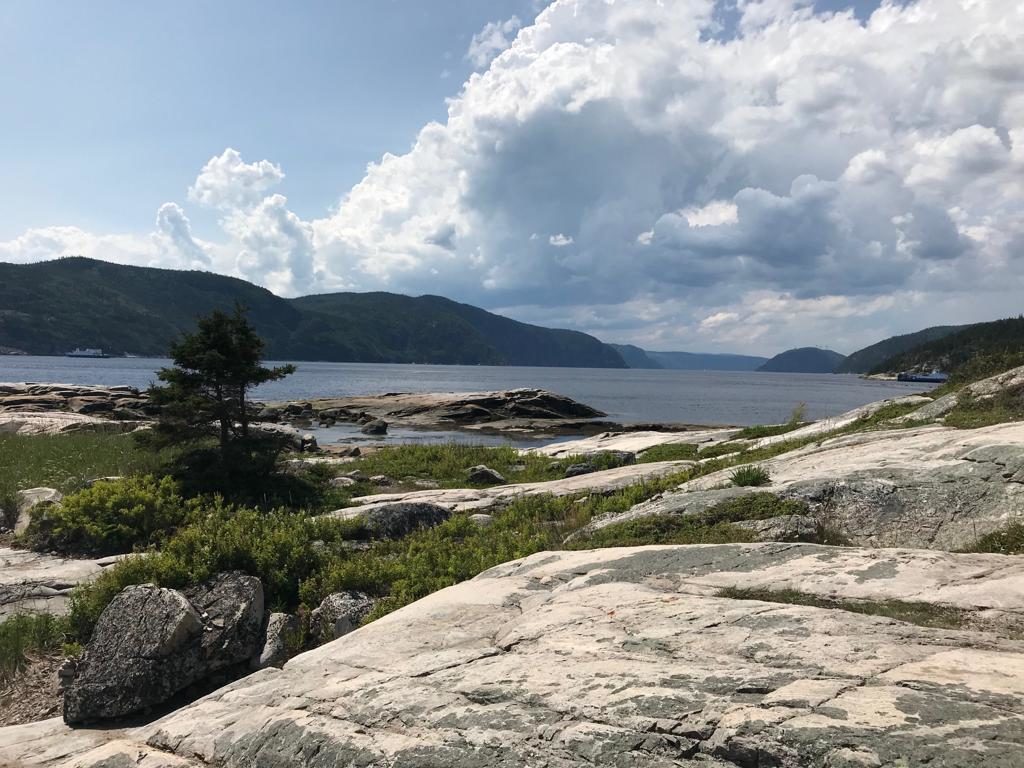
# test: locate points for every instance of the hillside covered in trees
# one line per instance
(52, 307)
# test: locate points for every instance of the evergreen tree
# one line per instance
(203, 407)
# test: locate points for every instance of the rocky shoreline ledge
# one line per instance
(54, 408)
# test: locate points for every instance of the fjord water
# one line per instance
(626, 395)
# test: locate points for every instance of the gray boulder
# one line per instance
(281, 633)
(375, 427)
(339, 614)
(151, 643)
(30, 499)
(342, 482)
(575, 470)
(482, 520)
(483, 474)
(393, 521)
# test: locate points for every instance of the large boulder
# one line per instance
(30, 500)
(393, 521)
(151, 643)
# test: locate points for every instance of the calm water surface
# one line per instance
(626, 395)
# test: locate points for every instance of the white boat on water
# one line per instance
(87, 352)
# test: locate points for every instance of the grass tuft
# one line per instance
(23, 634)
(750, 476)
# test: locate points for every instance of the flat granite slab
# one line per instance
(31, 582)
(625, 657)
(480, 499)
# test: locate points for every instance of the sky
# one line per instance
(734, 175)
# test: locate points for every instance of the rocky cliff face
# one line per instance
(631, 657)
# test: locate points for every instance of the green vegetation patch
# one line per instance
(669, 452)
(25, 634)
(111, 517)
(66, 462)
(716, 525)
(1006, 541)
(919, 613)
(972, 412)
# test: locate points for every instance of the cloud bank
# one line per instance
(637, 170)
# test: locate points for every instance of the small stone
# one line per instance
(339, 614)
(341, 482)
(482, 520)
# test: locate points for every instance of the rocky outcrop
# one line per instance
(125, 403)
(516, 410)
(633, 442)
(493, 497)
(628, 657)
(31, 582)
(930, 486)
(151, 643)
(58, 423)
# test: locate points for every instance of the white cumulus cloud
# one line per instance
(798, 177)
(494, 38)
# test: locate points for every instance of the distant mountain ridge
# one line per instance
(51, 307)
(804, 360)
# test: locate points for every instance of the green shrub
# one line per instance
(111, 517)
(669, 452)
(715, 525)
(26, 633)
(1006, 541)
(281, 548)
(715, 450)
(750, 475)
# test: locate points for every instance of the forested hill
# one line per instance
(804, 360)
(986, 347)
(52, 307)
(867, 359)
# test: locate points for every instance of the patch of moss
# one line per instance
(919, 613)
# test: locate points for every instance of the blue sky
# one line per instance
(113, 106)
(732, 175)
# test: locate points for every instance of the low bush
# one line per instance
(1006, 541)
(111, 517)
(281, 548)
(972, 412)
(715, 525)
(750, 476)
(24, 634)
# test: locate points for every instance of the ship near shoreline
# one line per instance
(87, 352)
